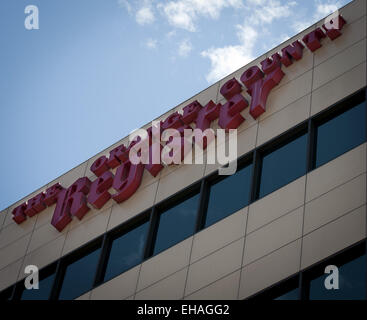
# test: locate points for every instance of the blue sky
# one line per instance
(97, 69)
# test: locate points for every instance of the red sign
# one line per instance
(74, 200)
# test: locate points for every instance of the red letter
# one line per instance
(100, 166)
(230, 88)
(191, 111)
(269, 65)
(35, 205)
(117, 155)
(18, 213)
(99, 194)
(312, 40)
(71, 202)
(230, 114)
(51, 194)
(294, 51)
(174, 121)
(127, 180)
(207, 115)
(334, 26)
(154, 168)
(260, 88)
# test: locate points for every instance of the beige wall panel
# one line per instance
(339, 64)
(45, 255)
(13, 231)
(286, 94)
(14, 251)
(284, 119)
(276, 204)
(45, 235)
(273, 236)
(223, 289)
(9, 274)
(334, 236)
(335, 203)
(165, 264)
(351, 34)
(214, 266)
(87, 231)
(294, 71)
(336, 172)
(179, 179)
(141, 200)
(219, 235)
(339, 88)
(170, 288)
(270, 269)
(2, 218)
(354, 10)
(118, 288)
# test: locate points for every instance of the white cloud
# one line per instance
(322, 9)
(230, 58)
(171, 34)
(185, 48)
(126, 4)
(145, 15)
(264, 12)
(184, 13)
(151, 43)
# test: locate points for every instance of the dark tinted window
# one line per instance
(43, 292)
(126, 251)
(341, 134)
(352, 282)
(176, 223)
(228, 195)
(283, 165)
(79, 276)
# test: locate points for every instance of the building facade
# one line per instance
(296, 204)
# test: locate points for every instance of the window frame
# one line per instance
(65, 261)
(214, 178)
(329, 114)
(167, 204)
(272, 146)
(114, 234)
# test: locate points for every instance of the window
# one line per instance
(228, 195)
(79, 273)
(283, 165)
(46, 281)
(177, 222)
(126, 250)
(352, 278)
(340, 134)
